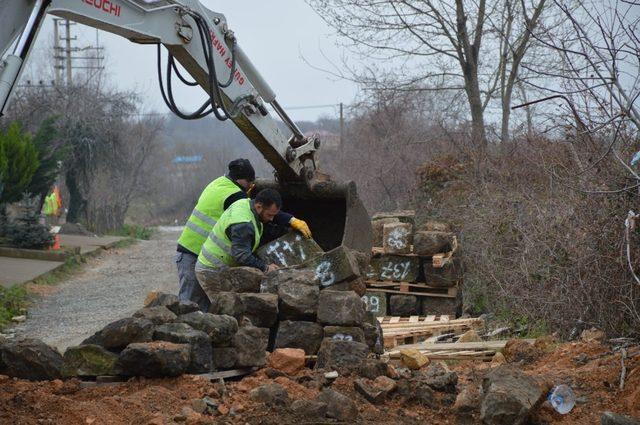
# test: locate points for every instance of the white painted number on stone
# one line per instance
(279, 250)
(342, 337)
(397, 238)
(324, 274)
(395, 271)
(372, 303)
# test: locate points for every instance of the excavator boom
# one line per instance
(201, 41)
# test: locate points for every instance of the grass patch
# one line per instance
(135, 231)
(12, 301)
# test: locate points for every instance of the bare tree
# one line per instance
(474, 46)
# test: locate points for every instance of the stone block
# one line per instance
(344, 333)
(298, 334)
(224, 358)
(260, 309)
(342, 356)
(341, 308)
(440, 306)
(356, 285)
(155, 298)
(158, 315)
(228, 303)
(309, 409)
(403, 305)
(429, 243)
(88, 360)
(273, 280)
(297, 301)
(30, 359)
(339, 406)
(289, 250)
(250, 344)
(375, 302)
(394, 268)
(446, 277)
(377, 226)
(397, 238)
(220, 328)
(119, 334)
(270, 394)
(199, 343)
(335, 266)
(232, 279)
(154, 359)
(373, 336)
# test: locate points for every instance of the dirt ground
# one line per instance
(109, 287)
(143, 401)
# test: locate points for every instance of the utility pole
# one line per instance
(63, 56)
(341, 123)
(68, 52)
(57, 67)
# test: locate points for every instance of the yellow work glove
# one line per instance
(301, 227)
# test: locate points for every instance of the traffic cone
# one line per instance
(56, 242)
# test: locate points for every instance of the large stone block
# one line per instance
(446, 276)
(335, 266)
(170, 301)
(340, 308)
(289, 250)
(199, 343)
(273, 280)
(377, 226)
(219, 327)
(224, 358)
(119, 334)
(297, 302)
(228, 303)
(154, 359)
(232, 279)
(30, 359)
(374, 337)
(344, 333)
(250, 344)
(260, 309)
(394, 268)
(440, 306)
(431, 242)
(342, 356)
(297, 334)
(403, 305)
(88, 360)
(158, 315)
(356, 285)
(339, 406)
(397, 238)
(509, 396)
(375, 302)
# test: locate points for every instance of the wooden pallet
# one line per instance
(417, 289)
(440, 260)
(414, 337)
(399, 331)
(483, 351)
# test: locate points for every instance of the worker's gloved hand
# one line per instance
(301, 227)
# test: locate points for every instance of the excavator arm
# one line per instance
(200, 40)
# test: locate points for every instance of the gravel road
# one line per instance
(109, 287)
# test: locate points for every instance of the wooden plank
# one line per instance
(431, 318)
(385, 284)
(497, 345)
(417, 294)
(225, 374)
(413, 319)
(444, 318)
(394, 320)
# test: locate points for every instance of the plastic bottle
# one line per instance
(562, 399)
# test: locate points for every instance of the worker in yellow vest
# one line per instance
(218, 196)
(235, 237)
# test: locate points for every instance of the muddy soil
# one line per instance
(109, 287)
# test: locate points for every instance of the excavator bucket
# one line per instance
(333, 211)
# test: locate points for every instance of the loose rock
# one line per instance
(158, 315)
(88, 360)
(309, 409)
(517, 350)
(343, 356)
(154, 359)
(372, 368)
(510, 396)
(261, 309)
(592, 335)
(413, 358)
(271, 395)
(30, 359)
(439, 378)
(298, 334)
(339, 406)
(610, 418)
(155, 299)
(340, 308)
(469, 336)
(297, 302)
(119, 334)
(251, 343)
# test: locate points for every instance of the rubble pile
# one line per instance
(414, 269)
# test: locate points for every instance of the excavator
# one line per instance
(202, 42)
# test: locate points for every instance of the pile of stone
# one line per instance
(414, 269)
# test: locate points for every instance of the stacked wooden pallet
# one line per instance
(399, 331)
(479, 351)
(412, 271)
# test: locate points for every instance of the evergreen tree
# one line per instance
(27, 232)
(21, 157)
(50, 154)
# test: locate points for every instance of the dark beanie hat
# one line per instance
(241, 169)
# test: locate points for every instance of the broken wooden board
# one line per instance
(226, 374)
(419, 290)
(440, 260)
(452, 350)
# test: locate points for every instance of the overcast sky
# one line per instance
(275, 34)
